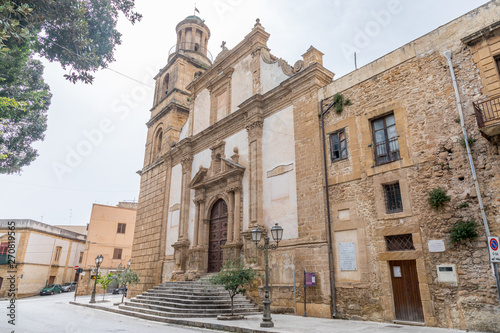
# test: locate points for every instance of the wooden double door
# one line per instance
(405, 290)
(217, 235)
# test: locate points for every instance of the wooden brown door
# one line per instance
(51, 279)
(217, 235)
(405, 290)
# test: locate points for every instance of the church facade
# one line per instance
(236, 142)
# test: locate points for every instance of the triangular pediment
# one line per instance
(198, 179)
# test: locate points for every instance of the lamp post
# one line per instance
(277, 234)
(98, 261)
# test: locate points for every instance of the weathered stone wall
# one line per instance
(420, 93)
(147, 252)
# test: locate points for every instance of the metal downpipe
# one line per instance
(329, 222)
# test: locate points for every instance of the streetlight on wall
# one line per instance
(98, 262)
(277, 234)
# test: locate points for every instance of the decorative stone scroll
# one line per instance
(283, 64)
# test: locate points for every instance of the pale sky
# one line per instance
(96, 133)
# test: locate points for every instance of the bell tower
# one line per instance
(187, 59)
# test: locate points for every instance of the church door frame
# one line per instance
(217, 236)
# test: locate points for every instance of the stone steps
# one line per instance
(186, 303)
(187, 299)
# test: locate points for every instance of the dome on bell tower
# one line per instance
(192, 39)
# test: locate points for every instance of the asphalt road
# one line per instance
(54, 314)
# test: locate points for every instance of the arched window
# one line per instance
(165, 83)
(157, 142)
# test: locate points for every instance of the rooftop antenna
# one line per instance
(355, 64)
(70, 214)
(41, 217)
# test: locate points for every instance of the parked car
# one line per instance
(120, 290)
(68, 286)
(51, 289)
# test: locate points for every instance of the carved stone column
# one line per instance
(237, 215)
(185, 194)
(255, 161)
(182, 245)
(196, 222)
(230, 217)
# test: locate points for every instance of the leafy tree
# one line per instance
(79, 34)
(24, 101)
(235, 278)
(104, 282)
(125, 278)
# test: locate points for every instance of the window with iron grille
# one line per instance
(399, 243)
(392, 198)
(121, 228)
(385, 140)
(117, 253)
(338, 145)
(81, 258)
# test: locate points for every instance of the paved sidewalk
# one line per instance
(282, 323)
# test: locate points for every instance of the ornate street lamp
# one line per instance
(277, 234)
(98, 262)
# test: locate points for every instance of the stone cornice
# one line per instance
(174, 58)
(476, 36)
(169, 93)
(165, 110)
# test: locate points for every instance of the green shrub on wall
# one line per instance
(463, 230)
(438, 197)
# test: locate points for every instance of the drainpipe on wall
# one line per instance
(447, 55)
(329, 222)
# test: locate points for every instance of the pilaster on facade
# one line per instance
(254, 130)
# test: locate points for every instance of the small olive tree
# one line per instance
(126, 277)
(104, 282)
(235, 278)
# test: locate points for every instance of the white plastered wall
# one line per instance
(271, 75)
(41, 250)
(173, 215)
(240, 141)
(201, 113)
(280, 191)
(241, 82)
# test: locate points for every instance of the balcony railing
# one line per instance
(387, 151)
(487, 111)
(192, 47)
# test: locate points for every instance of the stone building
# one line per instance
(110, 234)
(400, 139)
(43, 254)
(236, 142)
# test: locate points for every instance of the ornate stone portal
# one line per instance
(222, 180)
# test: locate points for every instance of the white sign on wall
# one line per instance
(436, 245)
(347, 256)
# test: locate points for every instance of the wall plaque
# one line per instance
(347, 256)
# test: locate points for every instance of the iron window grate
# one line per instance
(399, 242)
(392, 197)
